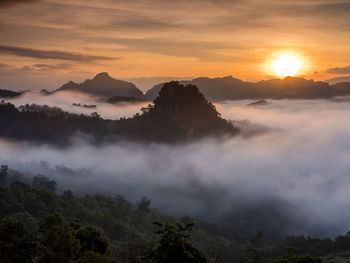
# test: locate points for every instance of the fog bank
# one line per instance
(301, 164)
(65, 100)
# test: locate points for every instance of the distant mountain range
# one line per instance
(338, 80)
(229, 88)
(180, 113)
(214, 89)
(105, 86)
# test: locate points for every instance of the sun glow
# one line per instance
(286, 65)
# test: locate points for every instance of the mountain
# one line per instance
(180, 113)
(258, 103)
(214, 89)
(342, 88)
(229, 88)
(292, 88)
(337, 80)
(105, 86)
(9, 94)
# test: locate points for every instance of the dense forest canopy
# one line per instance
(9, 94)
(39, 225)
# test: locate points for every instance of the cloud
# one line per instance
(48, 67)
(7, 3)
(339, 70)
(5, 67)
(302, 163)
(50, 54)
(39, 76)
(65, 99)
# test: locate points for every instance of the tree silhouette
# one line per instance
(293, 256)
(174, 246)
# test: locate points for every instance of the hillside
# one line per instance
(9, 94)
(105, 86)
(229, 88)
(179, 113)
(38, 223)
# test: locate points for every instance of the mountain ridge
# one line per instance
(103, 85)
(229, 88)
(179, 114)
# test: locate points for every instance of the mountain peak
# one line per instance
(181, 112)
(102, 76)
(105, 86)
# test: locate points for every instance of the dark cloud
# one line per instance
(205, 51)
(50, 54)
(5, 66)
(7, 3)
(339, 70)
(43, 67)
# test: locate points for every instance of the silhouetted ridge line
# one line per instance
(9, 94)
(229, 88)
(105, 86)
(180, 113)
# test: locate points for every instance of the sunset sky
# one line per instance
(46, 43)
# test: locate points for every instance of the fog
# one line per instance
(299, 163)
(65, 100)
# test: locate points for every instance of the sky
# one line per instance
(45, 43)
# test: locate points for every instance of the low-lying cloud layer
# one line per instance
(66, 99)
(302, 164)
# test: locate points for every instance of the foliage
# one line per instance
(173, 245)
(9, 94)
(17, 244)
(293, 257)
(178, 114)
(40, 224)
(143, 205)
(44, 183)
(3, 173)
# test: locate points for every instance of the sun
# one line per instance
(286, 65)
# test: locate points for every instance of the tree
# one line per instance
(17, 244)
(293, 256)
(59, 240)
(44, 183)
(3, 173)
(253, 254)
(92, 257)
(173, 246)
(143, 205)
(93, 239)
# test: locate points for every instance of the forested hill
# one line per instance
(8, 94)
(179, 113)
(39, 225)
